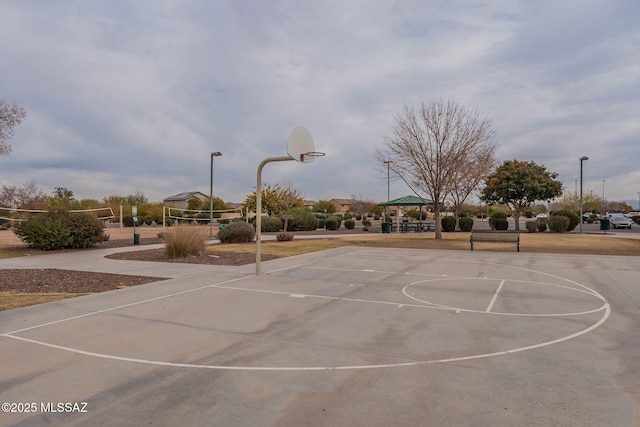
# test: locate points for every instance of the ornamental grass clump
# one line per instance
(183, 241)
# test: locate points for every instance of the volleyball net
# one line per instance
(19, 215)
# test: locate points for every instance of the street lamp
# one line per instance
(582, 159)
(603, 203)
(214, 154)
(387, 162)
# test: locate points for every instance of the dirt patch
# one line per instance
(51, 280)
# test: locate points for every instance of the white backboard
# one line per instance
(300, 143)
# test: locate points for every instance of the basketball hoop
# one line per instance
(310, 156)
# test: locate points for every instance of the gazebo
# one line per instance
(407, 201)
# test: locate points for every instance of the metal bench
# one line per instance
(495, 237)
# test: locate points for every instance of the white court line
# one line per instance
(106, 310)
(318, 368)
(495, 297)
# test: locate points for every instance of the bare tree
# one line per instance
(23, 196)
(430, 146)
(479, 164)
(11, 116)
(361, 206)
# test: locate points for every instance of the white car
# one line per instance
(632, 214)
(619, 221)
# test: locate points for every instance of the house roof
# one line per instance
(342, 201)
(184, 196)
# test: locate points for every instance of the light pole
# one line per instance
(582, 159)
(603, 203)
(387, 162)
(214, 154)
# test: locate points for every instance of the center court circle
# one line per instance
(510, 297)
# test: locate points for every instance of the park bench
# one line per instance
(495, 237)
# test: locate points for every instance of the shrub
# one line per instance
(284, 236)
(542, 225)
(528, 213)
(127, 221)
(348, 216)
(349, 224)
(448, 223)
(301, 220)
(358, 217)
(531, 226)
(332, 223)
(270, 224)
(574, 218)
(320, 223)
(558, 223)
(366, 224)
(501, 224)
(496, 216)
(61, 230)
(183, 241)
(465, 223)
(237, 232)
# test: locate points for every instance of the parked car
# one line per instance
(619, 221)
(632, 214)
(542, 216)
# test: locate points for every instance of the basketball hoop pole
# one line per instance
(259, 204)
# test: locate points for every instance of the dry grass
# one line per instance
(183, 241)
(9, 300)
(529, 243)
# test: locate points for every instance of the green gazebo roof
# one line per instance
(408, 201)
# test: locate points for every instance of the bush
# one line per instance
(358, 217)
(448, 223)
(558, 223)
(366, 224)
(465, 223)
(497, 216)
(320, 223)
(237, 232)
(348, 216)
(183, 241)
(332, 223)
(127, 221)
(501, 224)
(531, 226)
(270, 224)
(61, 230)
(349, 224)
(542, 225)
(301, 220)
(284, 236)
(574, 218)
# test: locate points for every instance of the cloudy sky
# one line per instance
(126, 95)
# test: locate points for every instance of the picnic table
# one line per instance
(418, 226)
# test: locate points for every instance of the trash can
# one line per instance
(605, 224)
(136, 238)
(386, 227)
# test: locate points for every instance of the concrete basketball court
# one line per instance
(345, 337)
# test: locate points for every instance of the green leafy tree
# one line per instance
(276, 199)
(325, 206)
(517, 185)
(63, 199)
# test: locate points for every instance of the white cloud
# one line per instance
(135, 95)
